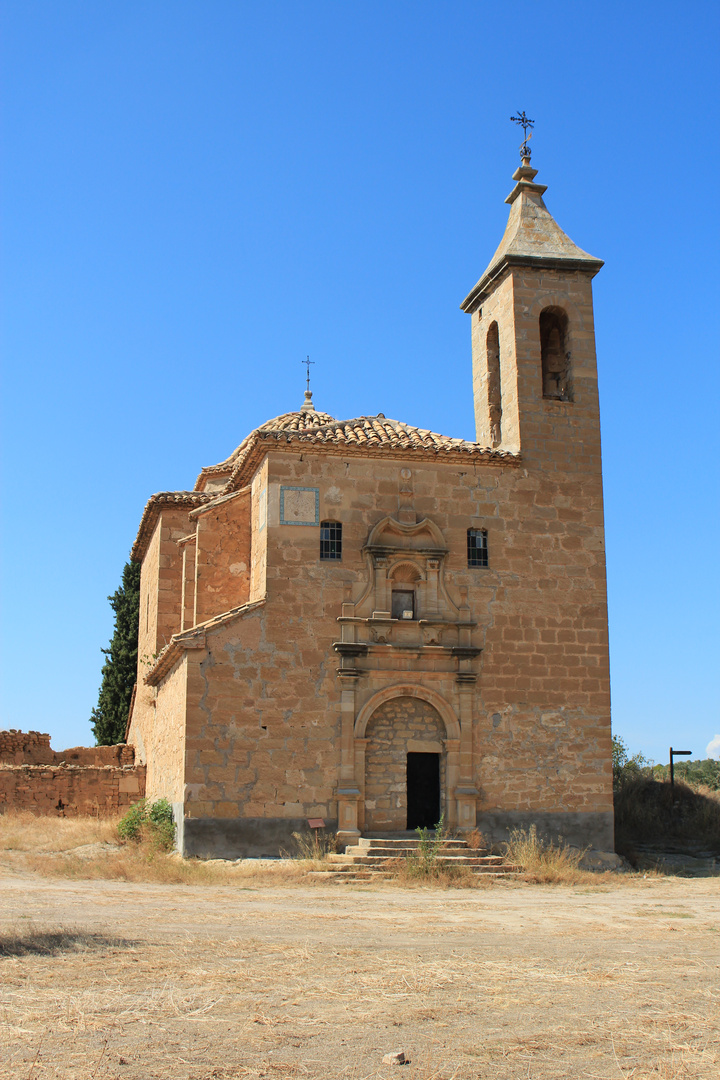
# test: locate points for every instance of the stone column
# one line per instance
(466, 793)
(360, 747)
(431, 595)
(348, 791)
(452, 776)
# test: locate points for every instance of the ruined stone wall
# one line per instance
(33, 748)
(25, 747)
(67, 783)
(399, 726)
(70, 790)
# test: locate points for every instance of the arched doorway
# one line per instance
(405, 765)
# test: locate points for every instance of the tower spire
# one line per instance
(532, 236)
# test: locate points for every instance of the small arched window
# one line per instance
(331, 540)
(556, 373)
(493, 385)
(477, 547)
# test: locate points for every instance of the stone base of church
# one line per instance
(584, 830)
(238, 838)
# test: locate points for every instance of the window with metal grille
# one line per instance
(477, 549)
(330, 540)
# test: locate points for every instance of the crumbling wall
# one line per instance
(66, 783)
(33, 748)
(71, 790)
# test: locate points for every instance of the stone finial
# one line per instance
(307, 405)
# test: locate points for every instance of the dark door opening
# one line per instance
(423, 790)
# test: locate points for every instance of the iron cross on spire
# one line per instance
(307, 361)
(524, 123)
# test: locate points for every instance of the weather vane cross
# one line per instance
(524, 123)
(307, 361)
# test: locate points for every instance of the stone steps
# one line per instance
(379, 856)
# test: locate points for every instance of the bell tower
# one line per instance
(533, 338)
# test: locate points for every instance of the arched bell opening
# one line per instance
(555, 354)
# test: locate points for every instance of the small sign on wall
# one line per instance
(299, 506)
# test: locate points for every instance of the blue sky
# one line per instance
(198, 194)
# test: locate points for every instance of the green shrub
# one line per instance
(626, 767)
(131, 824)
(149, 822)
(425, 863)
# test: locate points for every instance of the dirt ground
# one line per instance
(511, 982)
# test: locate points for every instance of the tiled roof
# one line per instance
(293, 421)
(368, 435)
(152, 510)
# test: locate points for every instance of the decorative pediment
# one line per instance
(390, 535)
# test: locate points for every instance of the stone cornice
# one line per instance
(194, 638)
(153, 509)
(493, 276)
(262, 444)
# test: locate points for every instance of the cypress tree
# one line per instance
(119, 671)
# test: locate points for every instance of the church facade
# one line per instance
(375, 625)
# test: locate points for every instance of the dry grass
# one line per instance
(144, 863)
(277, 995)
(546, 863)
(21, 830)
(27, 941)
(89, 848)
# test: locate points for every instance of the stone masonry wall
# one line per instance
(223, 558)
(66, 783)
(166, 738)
(397, 727)
(70, 790)
(263, 702)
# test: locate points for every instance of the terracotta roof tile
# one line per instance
(369, 436)
(154, 505)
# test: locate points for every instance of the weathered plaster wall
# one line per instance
(259, 538)
(161, 598)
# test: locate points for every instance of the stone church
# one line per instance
(376, 625)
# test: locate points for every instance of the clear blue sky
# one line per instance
(198, 194)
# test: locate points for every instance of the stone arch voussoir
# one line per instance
(441, 706)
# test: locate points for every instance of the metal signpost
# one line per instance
(674, 754)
